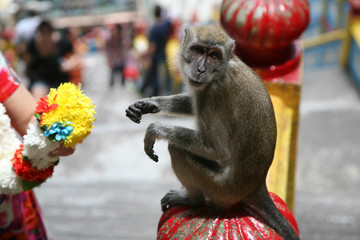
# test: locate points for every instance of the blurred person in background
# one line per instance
(138, 57)
(116, 47)
(68, 49)
(7, 47)
(171, 51)
(46, 65)
(158, 37)
(25, 30)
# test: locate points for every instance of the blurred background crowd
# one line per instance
(139, 37)
(46, 41)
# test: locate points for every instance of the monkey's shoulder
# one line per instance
(239, 69)
(244, 77)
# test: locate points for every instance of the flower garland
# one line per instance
(9, 181)
(23, 168)
(64, 116)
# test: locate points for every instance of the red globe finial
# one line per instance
(355, 7)
(265, 27)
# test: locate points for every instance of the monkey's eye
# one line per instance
(199, 50)
(214, 55)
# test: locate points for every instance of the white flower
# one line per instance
(9, 181)
(37, 148)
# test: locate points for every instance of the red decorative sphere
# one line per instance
(355, 7)
(237, 223)
(265, 23)
(267, 27)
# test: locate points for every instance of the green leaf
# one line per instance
(28, 185)
(38, 116)
(52, 138)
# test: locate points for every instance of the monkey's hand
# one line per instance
(149, 141)
(140, 107)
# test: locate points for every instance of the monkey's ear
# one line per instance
(230, 48)
(188, 33)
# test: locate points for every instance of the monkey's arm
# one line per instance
(178, 103)
(187, 139)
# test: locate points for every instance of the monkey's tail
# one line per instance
(262, 203)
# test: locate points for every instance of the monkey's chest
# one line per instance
(213, 127)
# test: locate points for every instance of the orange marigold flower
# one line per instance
(43, 106)
(24, 169)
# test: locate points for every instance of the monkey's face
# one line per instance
(204, 56)
(206, 64)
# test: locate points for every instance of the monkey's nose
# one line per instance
(201, 70)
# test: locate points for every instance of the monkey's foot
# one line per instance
(179, 198)
(173, 198)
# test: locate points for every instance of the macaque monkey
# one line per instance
(227, 157)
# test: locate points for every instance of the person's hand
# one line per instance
(62, 151)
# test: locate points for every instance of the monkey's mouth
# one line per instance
(195, 83)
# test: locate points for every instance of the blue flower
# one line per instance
(59, 131)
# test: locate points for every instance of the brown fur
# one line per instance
(227, 157)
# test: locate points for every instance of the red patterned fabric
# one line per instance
(20, 217)
(8, 80)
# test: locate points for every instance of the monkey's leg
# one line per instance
(186, 140)
(192, 196)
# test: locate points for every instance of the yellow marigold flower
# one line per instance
(73, 106)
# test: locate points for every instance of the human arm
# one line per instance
(20, 107)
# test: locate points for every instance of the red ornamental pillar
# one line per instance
(239, 222)
(266, 33)
(351, 43)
